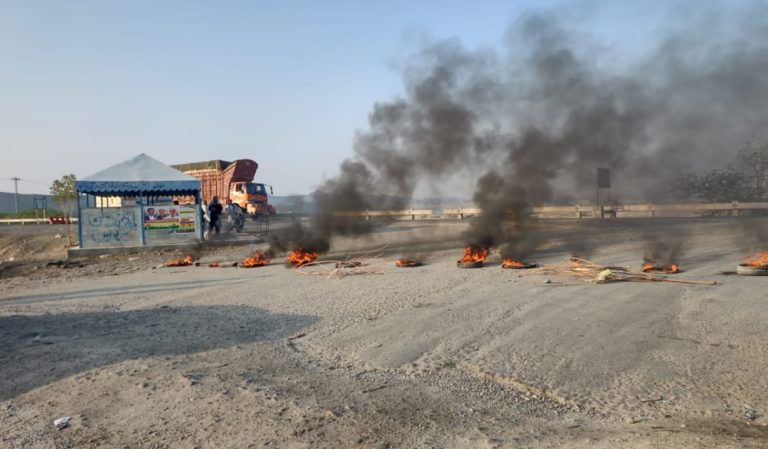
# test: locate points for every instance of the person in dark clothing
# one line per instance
(214, 210)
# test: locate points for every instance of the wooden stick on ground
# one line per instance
(607, 273)
(346, 267)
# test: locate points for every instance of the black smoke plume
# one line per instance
(663, 252)
(539, 118)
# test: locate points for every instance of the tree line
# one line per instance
(744, 180)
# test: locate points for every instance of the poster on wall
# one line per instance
(170, 218)
(186, 219)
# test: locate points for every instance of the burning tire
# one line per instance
(749, 270)
(469, 264)
(407, 263)
(509, 264)
(300, 257)
(660, 269)
(473, 257)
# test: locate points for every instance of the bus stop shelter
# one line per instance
(140, 202)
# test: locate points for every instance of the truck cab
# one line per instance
(252, 197)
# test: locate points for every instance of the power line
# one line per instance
(25, 180)
(35, 182)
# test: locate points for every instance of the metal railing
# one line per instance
(26, 221)
(578, 211)
(544, 212)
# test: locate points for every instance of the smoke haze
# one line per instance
(541, 116)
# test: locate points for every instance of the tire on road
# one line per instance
(469, 264)
(746, 270)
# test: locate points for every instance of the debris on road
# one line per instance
(64, 264)
(297, 336)
(62, 422)
(602, 274)
(349, 264)
(649, 398)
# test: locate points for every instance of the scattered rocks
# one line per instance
(62, 422)
(331, 414)
(64, 264)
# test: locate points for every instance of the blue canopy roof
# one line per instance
(139, 174)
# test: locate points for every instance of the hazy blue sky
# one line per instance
(86, 84)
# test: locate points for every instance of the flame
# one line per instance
(299, 257)
(760, 260)
(671, 269)
(511, 263)
(257, 260)
(188, 260)
(214, 265)
(474, 254)
(407, 263)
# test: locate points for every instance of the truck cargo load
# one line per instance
(231, 181)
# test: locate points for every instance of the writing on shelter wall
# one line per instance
(118, 226)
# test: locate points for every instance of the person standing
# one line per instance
(214, 211)
(236, 219)
(206, 219)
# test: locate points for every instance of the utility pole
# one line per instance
(16, 180)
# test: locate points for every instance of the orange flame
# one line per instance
(257, 260)
(671, 269)
(188, 260)
(760, 260)
(299, 257)
(407, 263)
(511, 263)
(474, 254)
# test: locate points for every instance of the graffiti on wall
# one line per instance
(111, 226)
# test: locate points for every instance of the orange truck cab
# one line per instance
(252, 197)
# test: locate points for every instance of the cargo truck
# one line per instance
(231, 181)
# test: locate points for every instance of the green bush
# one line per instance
(30, 213)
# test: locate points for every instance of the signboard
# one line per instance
(603, 178)
(41, 202)
(176, 218)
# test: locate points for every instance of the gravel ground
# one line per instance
(428, 357)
